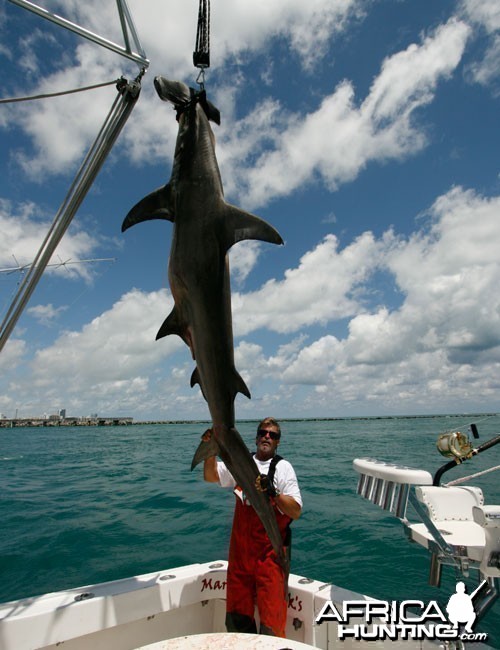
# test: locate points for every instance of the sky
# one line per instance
(365, 131)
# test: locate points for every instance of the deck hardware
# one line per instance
(494, 560)
(305, 581)
(204, 603)
(168, 576)
(216, 565)
(85, 596)
(327, 584)
(297, 623)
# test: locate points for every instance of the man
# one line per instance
(254, 576)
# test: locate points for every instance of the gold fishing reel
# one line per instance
(454, 445)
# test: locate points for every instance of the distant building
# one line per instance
(62, 414)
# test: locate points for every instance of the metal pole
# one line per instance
(139, 58)
(89, 169)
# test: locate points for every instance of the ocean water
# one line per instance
(85, 505)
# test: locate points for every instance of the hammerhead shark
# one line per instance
(205, 228)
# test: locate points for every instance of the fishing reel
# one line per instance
(455, 445)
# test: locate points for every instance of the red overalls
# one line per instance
(254, 576)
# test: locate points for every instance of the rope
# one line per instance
(58, 94)
(464, 479)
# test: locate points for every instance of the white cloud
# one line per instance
(381, 128)
(321, 289)
(439, 342)
(485, 72)
(12, 354)
(485, 14)
(308, 26)
(45, 314)
(23, 230)
(118, 345)
(443, 343)
(62, 129)
(242, 259)
(270, 152)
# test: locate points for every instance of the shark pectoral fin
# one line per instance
(243, 225)
(212, 112)
(240, 386)
(171, 325)
(205, 450)
(156, 205)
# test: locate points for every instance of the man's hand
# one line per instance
(207, 436)
(210, 472)
(263, 484)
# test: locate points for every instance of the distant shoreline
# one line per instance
(7, 423)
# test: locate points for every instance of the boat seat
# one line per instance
(488, 517)
(451, 510)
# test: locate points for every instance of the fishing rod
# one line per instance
(458, 446)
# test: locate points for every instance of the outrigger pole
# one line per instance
(126, 22)
(128, 93)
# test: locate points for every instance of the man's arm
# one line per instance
(288, 506)
(210, 472)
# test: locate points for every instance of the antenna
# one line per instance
(23, 267)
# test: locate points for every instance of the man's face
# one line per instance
(266, 445)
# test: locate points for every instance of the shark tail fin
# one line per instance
(156, 205)
(205, 450)
(244, 225)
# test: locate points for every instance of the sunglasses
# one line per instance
(272, 434)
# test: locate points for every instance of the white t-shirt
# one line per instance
(285, 479)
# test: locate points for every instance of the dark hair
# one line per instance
(272, 422)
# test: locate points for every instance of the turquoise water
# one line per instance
(85, 505)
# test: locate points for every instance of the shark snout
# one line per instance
(175, 92)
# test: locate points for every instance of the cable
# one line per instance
(464, 479)
(58, 94)
(201, 55)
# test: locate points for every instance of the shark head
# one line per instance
(182, 97)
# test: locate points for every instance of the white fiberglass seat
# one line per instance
(451, 510)
(488, 517)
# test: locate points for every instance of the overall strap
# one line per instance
(272, 467)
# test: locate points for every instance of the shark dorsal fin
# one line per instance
(243, 225)
(157, 205)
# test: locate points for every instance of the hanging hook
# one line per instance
(200, 79)
(201, 55)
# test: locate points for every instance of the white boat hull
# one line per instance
(149, 609)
